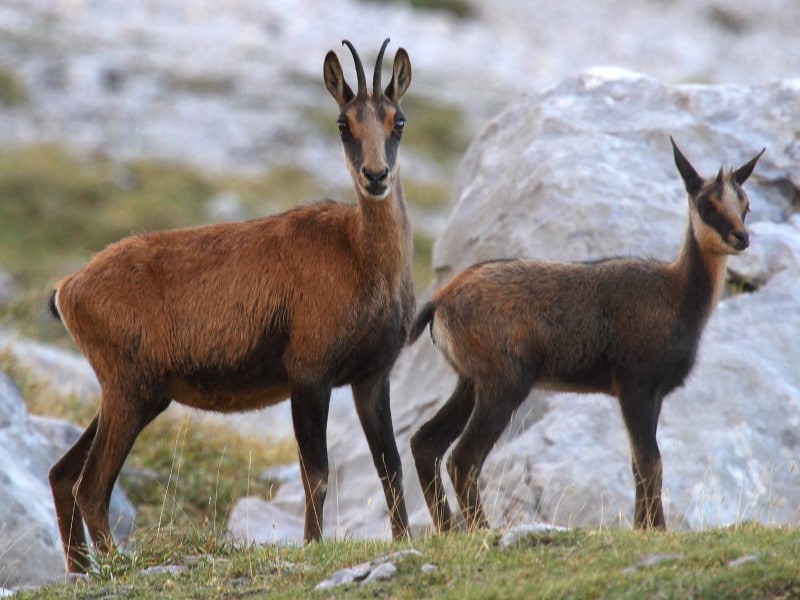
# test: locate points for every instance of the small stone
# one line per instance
(428, 568)
(160, 569)
(382, 572)
(650, 560)
(520, 532)
(742, 560)
(344, 576)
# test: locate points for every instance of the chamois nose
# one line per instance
(376, 177)
(742, 240)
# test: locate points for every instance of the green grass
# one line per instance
(583, 563)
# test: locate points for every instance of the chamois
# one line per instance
(237, 316)
(627, 327)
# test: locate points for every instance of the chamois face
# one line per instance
(717, 206)
(370, 125)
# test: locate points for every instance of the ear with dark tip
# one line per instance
(334, 80)
(741, 174)
(401, 77)
(692, 181)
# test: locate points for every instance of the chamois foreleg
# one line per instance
(640, 412)
(310, 419)
(495, 403)
(431, 441)
(63, 477)
(374, 411)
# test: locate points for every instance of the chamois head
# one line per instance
(718, 206)
(370, 124)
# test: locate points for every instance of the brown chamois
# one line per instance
(627, 327)
(238, 316)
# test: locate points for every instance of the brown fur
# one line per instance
(627, 327)
(238, 316)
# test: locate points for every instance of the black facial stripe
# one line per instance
(713, 218)
(355, 152)
(391, 145)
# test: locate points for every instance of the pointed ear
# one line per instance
(334, 80)
(741, 174)
(691, 179)
(401, 77)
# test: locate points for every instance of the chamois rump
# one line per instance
(627, 327)
(238, 316)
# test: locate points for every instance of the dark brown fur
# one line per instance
(626, 327)
(238, 316)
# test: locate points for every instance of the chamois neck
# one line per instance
(700, 274)
(384, 232)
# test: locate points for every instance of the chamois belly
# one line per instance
(227, 395)
(596, 378)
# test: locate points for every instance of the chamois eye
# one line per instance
(399, 123)
(344, 128)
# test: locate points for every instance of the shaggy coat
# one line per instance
(627, 327)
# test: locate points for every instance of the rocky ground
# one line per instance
(238, 85)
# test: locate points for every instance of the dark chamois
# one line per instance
(238, 316)
(627, 327)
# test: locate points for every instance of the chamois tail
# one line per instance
(53, 307)
(422, 319)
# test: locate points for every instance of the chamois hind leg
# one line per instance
(495, 403)
(374, 411)
(63, 477)
(310, 419)
(431, 441)
(122, 417)
(640, 412)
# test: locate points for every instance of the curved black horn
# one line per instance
(362, 79)
(377, 92)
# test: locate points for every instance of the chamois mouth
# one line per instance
(377, 191)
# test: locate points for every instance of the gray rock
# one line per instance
(234, 87)
(581, 171)
(517, 533)
(66, 372)
(650, 560)
(743, 559)
(382, 572)
(8, 288)
(161, 569)
(29, 540)
(379, 569)
(345, 576)
(428, 568)
(30, 545)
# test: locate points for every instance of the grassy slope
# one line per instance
(584, 563)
